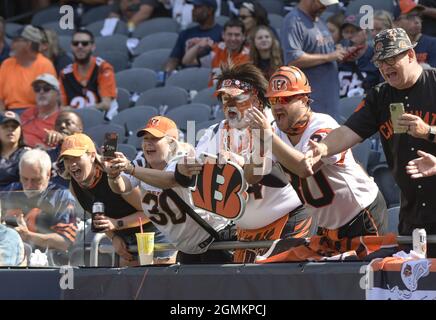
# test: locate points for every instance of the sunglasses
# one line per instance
(38, 89)
(83, 43)
(391, 61)
(282, 100)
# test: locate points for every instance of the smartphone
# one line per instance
(397, 109)
(350, 54)
(110, 145)
(11, 221)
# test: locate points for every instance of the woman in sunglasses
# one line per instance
(252, 14)
(345, 201)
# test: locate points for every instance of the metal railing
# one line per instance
(96, 248)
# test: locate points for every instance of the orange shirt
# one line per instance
(220, 55)
(16, 81)
(105, 82)
(33, 127)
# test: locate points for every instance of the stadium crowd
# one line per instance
(285, 89)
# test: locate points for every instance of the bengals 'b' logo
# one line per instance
(279, 84)
(221, 190)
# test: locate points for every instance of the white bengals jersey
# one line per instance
(265, 204)
(168, 216)
(340, 189)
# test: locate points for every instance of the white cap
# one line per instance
(48, 78)
(328, 2)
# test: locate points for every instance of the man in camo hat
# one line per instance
(406, 83)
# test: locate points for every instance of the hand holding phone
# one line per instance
(397, 110)
(110, 145)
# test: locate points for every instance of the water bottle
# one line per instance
(97, 209)
(419, 237)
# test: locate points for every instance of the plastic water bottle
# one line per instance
(419, 237)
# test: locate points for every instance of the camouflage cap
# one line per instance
(391, 42)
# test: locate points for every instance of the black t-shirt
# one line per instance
(418, 203)
(115, 205)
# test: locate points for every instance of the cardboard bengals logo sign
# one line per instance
(221, 189)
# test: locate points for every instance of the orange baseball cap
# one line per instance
(77, 145)
(160, 127)
(407, 6)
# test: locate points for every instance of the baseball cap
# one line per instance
(159, 127)
(352, 19)
(31, 33)
(208, 3)
(76, 145)
(47, 78)
(9, 116)
(405, 7)
(391, 42)
(328, 2)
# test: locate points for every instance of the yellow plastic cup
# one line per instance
(145, 247)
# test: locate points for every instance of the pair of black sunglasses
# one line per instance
(83, 43)
(44, 88)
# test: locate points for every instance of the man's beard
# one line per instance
(84, 60)
(239, 122)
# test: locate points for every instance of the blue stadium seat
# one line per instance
(272, 6)
(46, 15)
(394, 219)
(128, 150)
(116, 42)
(123, 99)
(361, 153)
(136, 80)
(95, 14)
(118, 60)
(347, 106)
(90, 117)
(13, 29)
(134, 118)
(206, 96)
(153, 59)
(197, 112)
(163, 24)
(159, 40)
(190, 78)
(161, 96)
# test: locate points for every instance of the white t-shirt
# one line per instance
(341, 188)
(179, 228)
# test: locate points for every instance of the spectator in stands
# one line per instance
(66, 124)
(159, 172)
(204, 14)
(136, 11)
(89, 184)
(12, 252)
(265, 51)
(18, 72)
(36, 121)
(357, 73)
(382, 20)
(4, 47)
(44, 213)
(407, 83)
(12, 148)
(408, 17)
(308, 45)
(51, 49)
(334, 24)
(252, 14)
(232, 49)
(89, 81)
